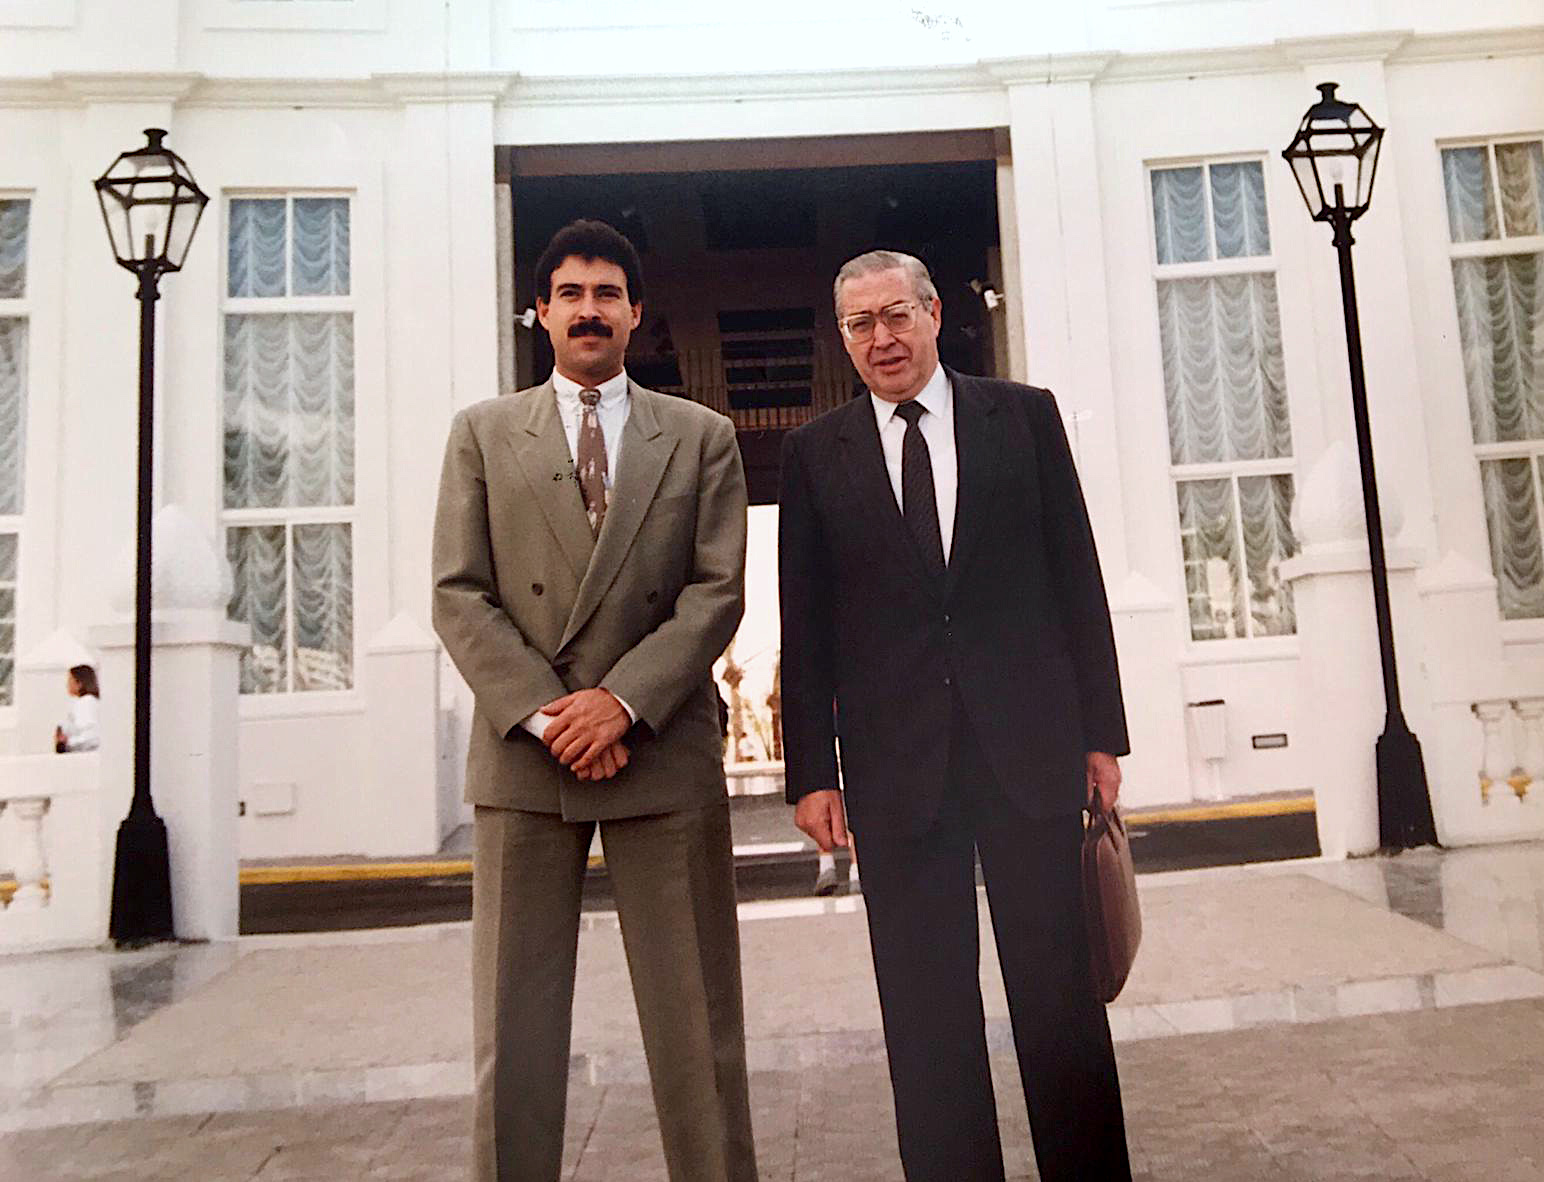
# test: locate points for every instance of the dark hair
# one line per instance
(588, 240)
(85, 677)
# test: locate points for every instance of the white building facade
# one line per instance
(355, 283)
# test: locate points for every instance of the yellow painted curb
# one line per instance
(1279, 807)
(369, 871)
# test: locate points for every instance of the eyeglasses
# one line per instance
(898, 318)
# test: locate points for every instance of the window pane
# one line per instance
(1470, 201)
(1265, 503)
(1238, 210)
(255, 252)
(1224, 377)
(1179, 215)
(321, 262)
(13, 403)
(1209, 542)
(1501, 328)
(289, 410)
(256, 555)
(13, 248)
(1516, 557)
(1520, 168)
(324, 607)
(8, 549)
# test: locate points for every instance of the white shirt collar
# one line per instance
(934, 398)
(612, 391)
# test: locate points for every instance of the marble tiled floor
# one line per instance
(1304, 1020)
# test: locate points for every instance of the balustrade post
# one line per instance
(30, 864)
(1493, 765)
(1530, 745)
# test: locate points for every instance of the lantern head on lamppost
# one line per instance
(151, 205)
(1334, 157)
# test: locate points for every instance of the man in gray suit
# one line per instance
(589, 552)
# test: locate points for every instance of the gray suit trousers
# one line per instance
(673, 875)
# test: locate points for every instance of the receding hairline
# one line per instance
(875, 262)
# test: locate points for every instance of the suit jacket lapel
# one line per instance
(978, 452)
(541, 451)
(870, 479)
(646, 449)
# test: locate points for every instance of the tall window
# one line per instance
(289, 440)
(14, 214)
(1230, 433)
(1495, 200)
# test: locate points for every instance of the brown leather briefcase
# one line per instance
(1110, 905)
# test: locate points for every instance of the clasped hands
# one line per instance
(585, 734)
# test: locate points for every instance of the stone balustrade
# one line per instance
(51, 841)
(1512, 748)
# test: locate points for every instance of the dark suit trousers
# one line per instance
(673, 875)
(920, 894)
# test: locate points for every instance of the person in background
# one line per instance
(81, 730)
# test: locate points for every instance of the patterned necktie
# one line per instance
(919, 502)
(590, 461)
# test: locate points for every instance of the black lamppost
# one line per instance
(151, 205)
(1334, 157)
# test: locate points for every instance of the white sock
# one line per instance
(827, 862)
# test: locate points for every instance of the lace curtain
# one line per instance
(13, 249)
(1501, 331)
(13, 402)
(1239, 227)
(1224, 376)
(1226, 399)
(289, 442)
(7, 619)
(1219, 582)
(310, 234)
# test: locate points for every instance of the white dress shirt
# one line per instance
(82, 729)
(612, 410)
(937, 427)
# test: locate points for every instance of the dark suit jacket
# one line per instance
(1018, 629)
(530, 605)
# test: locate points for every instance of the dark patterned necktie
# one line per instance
(919, 501)
(590, 461)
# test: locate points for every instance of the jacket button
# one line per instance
(652, 596)
(948, 681)
(537, 588)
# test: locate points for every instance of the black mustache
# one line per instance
(589, 328)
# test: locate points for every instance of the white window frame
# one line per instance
(290, 698)
(1248, 646)
(19, 308)
(1490, 248)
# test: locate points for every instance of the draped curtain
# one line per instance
(8, 549)
(13, 405)
(1501, 332)
(1226, 398)
(13, 249)
(289, 442)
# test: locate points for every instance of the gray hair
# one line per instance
(886, 260)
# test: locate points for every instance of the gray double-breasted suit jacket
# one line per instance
(530, 605)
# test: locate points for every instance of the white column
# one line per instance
(1338, 649)
(1062, 300)
(195, 669)
(402, 694)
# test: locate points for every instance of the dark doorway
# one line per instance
(738, 263)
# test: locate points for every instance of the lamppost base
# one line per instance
(1404, 801)
(142, 882)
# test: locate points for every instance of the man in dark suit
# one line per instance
(589, 568)
(940, 589)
